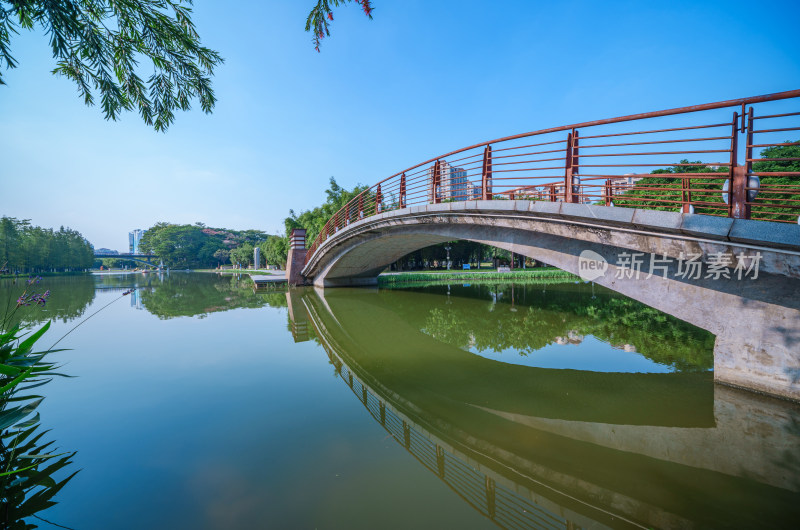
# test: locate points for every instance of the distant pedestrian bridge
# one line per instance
(142, 258)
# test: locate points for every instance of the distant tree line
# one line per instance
(28, 249)
(197, 245)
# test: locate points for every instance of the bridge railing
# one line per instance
(715, 159)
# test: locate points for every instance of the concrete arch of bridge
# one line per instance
(756, 322)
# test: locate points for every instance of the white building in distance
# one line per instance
(134, 238)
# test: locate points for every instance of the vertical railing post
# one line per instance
(403, 190)
(436, 183)
(378, 199)
(686, 195)
(490, 497)
(361, 205)
(440, 461)
(576, 179)
(568, 170)
(748, 147)
(748, 155)
(486, 174)
(738, 177)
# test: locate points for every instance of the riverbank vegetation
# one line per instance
(29, 249)
(196, 246)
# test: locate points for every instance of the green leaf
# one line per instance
(16, 380)
(13, 471)
(9, 370)
(28, 343)
(12, 416)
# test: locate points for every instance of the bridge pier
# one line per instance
(297, 257)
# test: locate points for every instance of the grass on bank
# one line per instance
(25, 275)
(538, 275)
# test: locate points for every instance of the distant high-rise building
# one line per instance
(620, 185)
(133, 240)
(453, 183)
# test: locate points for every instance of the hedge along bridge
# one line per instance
(555, 194)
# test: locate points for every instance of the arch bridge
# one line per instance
(693, 211)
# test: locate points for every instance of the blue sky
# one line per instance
(421, 79)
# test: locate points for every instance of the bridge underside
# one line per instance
(756, 321)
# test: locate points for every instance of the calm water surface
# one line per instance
(200, 404)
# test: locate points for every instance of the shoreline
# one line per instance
(43, 274)
(550, 273)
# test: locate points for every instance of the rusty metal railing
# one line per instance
(684, 159)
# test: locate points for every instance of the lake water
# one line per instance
(198, 403)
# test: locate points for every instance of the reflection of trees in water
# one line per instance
(201, 294)
(164, 295)
(69, 298)
(538, 318)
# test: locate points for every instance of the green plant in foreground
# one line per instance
(27, 462)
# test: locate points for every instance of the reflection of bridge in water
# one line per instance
(529, 456)
(508, 504)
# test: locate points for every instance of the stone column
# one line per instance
(297, 257)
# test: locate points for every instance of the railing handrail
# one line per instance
(574, 189)
(788, 94)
